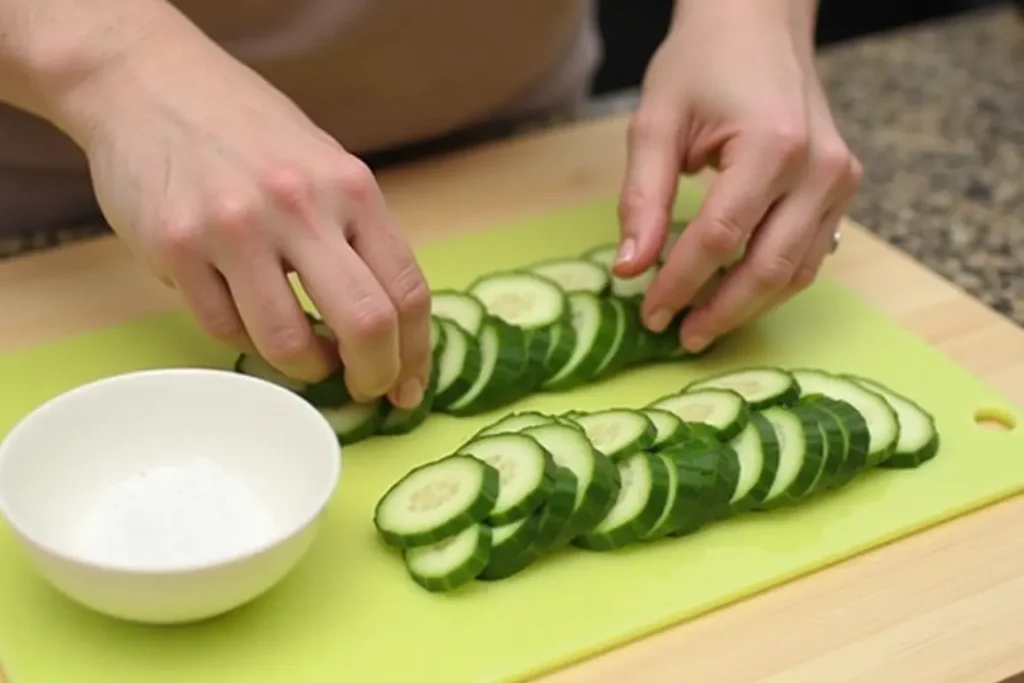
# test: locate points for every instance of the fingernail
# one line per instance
(410, 393)
(627, 250)
(659, 320)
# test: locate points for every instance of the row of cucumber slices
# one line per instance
(550, 326)
(529, 484)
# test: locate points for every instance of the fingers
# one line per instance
(649, 188)
(749, 184)
(377, 240)
(207, 295)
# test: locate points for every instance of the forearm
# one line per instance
(55, 55)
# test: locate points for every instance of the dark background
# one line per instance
(632, 29)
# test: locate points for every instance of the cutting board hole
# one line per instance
(995, 419)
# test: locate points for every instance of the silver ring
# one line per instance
(835, 241)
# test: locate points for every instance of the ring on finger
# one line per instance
(836, 236)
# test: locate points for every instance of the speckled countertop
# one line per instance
(936, 115)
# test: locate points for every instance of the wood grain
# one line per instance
(946, 605)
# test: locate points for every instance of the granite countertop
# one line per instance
(936, 115)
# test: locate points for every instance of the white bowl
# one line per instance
(240, 445)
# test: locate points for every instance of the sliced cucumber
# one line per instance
(855, 432)
(634, 287)
(436, 500)
(669, 429)
(604, 255)
(723, 410)
(676, 507)
(561, 340)
(594, 330)
(354, 422)
(451, 562)
(768, 448)
(759, 387)
(461, 308)
(750, 453)
(918, 440)
(502, 363)
(801, 455)
(883, 425)
(398, 421)
(510, 543)
(575, 275)
(525, 473)
(516, 422)
(330, 392)
(458, 365)
(556, 516)
(638, 507)
(834, 438)
(718, 461)
(523, 299)
(597, 479)
(618, 351)
(618, 433)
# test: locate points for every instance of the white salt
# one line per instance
(171, 516)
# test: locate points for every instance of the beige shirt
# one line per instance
(375, 74)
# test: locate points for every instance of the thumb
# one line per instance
(649, 189)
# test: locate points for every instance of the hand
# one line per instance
(225, 187)
(732, 87)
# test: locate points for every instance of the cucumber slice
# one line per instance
(855, 431)
(451, 562)
(458, 365)
(355, 422)
(460, 308)
(561, 343)
(918, 440)
(594, 329)
(522, 299)
(604, 255)
(750, 453)
(330, 392)
(556, 515)
(515, 422)
(617, 351)
(436, 500)
(759, 387)
(801, 455)
(638, 507)
(502, 363)
(767, 447)
(676, 508)
(723, 410)
(634, 287)
(721, 464)
(834, 439)
(575, 275)
(669, 429)
(597, 478)
(618, 433)
(883, 425)
(510, 543)
(525, 472)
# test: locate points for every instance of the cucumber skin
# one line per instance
(858, 439)
(463, 574)
(559, 351)
(507, 554)
(634, 530)
(584, 370)
(814, 455)
(511, 366)
(718, 466)
(557, 512)
(769, 467)
(470, 370)
(474, 514)
(605, 484)
(898, 460)
(366, 429)
(835, 447)
(330, 392)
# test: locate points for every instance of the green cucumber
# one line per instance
(451, 562)
(515, 422)
(669, 429)
(522, 299)
(555, 527)
(510, 545)
(801, 455)
(503, 361)
(436, 500)
(458, 365)
(723, 410)
(618, 432)
(918, 440)
(883, 424)
(330, 392)
(574, 275)
(717, 465)
(594, 328)
(638, 507)
(354, 422)
(525, 470)
(759, 387)
(461, 308)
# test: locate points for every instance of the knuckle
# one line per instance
(834, 163)
(856, 173)
(803, 278)
(286, 342)
(375, 322)
(773, 273)
(355, 180)
(647, 125)
(721, 238)
(178, 237)
(413, 299)
(234, 216)
(287, 186)
(788, 140)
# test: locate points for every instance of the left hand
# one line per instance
(733, 87)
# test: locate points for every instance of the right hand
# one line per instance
(224, 186)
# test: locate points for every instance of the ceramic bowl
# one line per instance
(168, 496)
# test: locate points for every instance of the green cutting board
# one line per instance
(349, 612)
